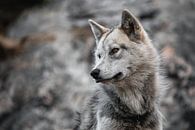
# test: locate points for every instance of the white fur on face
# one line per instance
(123, 61)
(111, 65)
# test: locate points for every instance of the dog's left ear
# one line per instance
(131, 26)
(97, 29)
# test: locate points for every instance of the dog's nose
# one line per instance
(95, 73)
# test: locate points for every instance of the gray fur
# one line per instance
(129, 101)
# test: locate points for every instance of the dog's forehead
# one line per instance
(117, 36)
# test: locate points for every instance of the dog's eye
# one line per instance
(113, 51)
(99, 56)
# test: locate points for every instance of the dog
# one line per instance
(127, 66)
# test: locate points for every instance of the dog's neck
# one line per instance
(138, 92)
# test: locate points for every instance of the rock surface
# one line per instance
(43, 85)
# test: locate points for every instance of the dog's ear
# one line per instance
(97, 29)
(131, 26)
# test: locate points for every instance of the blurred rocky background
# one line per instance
(46, 56)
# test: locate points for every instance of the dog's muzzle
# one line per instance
(96, 75)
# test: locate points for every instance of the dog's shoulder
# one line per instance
(87, 118)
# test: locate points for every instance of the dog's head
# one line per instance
(119, 51)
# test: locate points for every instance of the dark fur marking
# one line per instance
(123, 46)
(77, 121)
(119, 111)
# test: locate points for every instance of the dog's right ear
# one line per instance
(97, 29)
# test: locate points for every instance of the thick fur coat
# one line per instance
(127, 66)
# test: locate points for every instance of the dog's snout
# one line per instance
(95, 73)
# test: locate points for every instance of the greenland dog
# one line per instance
(127, 66)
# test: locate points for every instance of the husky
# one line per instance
(127, 66)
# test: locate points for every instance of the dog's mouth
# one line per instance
(116, 77)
